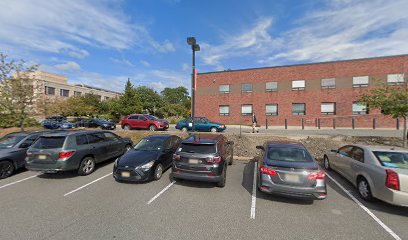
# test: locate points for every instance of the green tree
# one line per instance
(176, 95)
(149, 99)
(17, 90)
(392, 101)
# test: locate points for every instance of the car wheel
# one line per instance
(6, 169)
(87, 166)
(364, 189)
(128, 147)
(184, 129)
(213, 129)
(326, 163)
(152, 128)
(221, 183)
(127, 127)
(158, 172)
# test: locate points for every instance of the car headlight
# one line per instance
(221, 126)
(116, 162)
(146, 166)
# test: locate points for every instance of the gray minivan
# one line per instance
(75, 150)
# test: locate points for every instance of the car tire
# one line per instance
(326, 163)
(158, 172)
(87, 166)
(221, 183)
(364, 189)
(152, 128)
(6, 169)
(184, 129)
(213, 129)
(127, 127)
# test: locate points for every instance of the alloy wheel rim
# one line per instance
(89, 165)
(363, 189)
(213, 130)
(159, 172)
(126, 127)
(5, 169)
(326, 163)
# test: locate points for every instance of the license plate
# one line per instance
(292, 178)
(42, 157)
(125, 174)
(194, 161)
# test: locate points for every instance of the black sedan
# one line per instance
(96, 123)
(147, 160)
(13, 149)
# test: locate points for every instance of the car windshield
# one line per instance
(197, 148)
(288, 154)
(9, 141)
(101, 120)
(150, 144)
(49, 142)
(392, 159)
(151, 117)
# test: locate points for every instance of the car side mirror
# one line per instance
(230, 142)
(260, 147)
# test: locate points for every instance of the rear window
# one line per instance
(197, 148)
(289, 155)
(49, 142)
(393, 159)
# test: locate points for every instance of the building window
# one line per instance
(395, 79)
(298, 109)
(360, 82)
(246, 109)
(64, 93)
(271, 86)
(359, 108)
(298, 85)
(224, 110)
(224, 89)
(328, 83)
(271, 109)
(246, 87)
(78, 94)
(49, 90)
(328, 108)
(106, 98)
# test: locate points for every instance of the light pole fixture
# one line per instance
(195, 48)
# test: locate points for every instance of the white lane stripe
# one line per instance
(161, 192)
(22, 180)
(386, 228)
(94, 181)
(253, 205)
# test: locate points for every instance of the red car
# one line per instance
(144, 121)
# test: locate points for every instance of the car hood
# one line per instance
(134, 158)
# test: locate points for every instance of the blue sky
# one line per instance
(102, 43)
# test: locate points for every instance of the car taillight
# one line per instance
(176, 157)
(317, 175)
(268, 171)
(392, 180)
(66, 154)
(214, 159)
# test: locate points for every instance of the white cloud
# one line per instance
(164, 47)
(123, 62)
(68, 66)
(185, 67)
(145, 63)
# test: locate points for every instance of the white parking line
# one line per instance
(22, 180)
(253, 205)
(161, 192)
(385, 227)
(94, 181)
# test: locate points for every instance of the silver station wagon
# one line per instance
(377, 171)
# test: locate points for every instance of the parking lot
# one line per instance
(66, 206)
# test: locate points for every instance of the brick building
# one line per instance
(324, 93)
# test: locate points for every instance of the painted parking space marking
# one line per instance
(371, 214)
(253, 204)
(161, 192)
(22, 180)
(84, 186)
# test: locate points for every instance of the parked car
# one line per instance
(148, 159)
(201, 124)
(52, 124)
(377, 171)
(75, 150)
(96, 123)
(144, 121)
(57, 118)
(288, 169)
(203, 157)
(13, 149)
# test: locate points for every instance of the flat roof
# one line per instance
(304, 64)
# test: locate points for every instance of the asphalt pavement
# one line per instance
(67, 206)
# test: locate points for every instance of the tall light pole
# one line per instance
(195, 47)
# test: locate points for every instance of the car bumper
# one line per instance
(195, 176)
(317, 193)
(134, 175)
(58, 166)
(394, 197)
